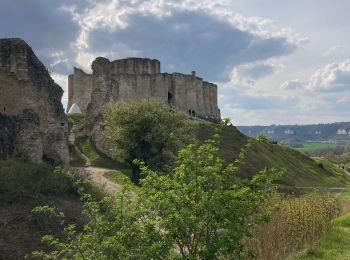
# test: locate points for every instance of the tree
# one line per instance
(203, 207)
(202, 210)
(148, 130)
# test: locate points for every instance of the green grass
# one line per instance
(96, 157)
(75, 159)
(309, 147)
(122, 179)
(301, 170)
(334, 245)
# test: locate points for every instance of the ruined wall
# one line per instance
(32, 120)
(79, 89)
(137, 78)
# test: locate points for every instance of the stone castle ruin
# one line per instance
(133, 79)
(138, 78)
(33, 125)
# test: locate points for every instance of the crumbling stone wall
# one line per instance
(79, 89)
(138, 78)
(32, 120)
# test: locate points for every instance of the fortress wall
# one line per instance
(206, 99)
(135, 66)
(80, 84)
(70, 91)
(211, 99)
(214, 101)
(101, 82)
(200, 97)
(162, 87)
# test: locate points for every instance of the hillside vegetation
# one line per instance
(301, 171)
(25, 186)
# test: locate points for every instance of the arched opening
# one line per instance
(193, 113)
(48, 160)
(189, 112)
(170, 97)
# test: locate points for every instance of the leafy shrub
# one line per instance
(202, 209)
(299, 221)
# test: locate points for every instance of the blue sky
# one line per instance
(276, 62)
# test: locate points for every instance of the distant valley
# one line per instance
(288, 134)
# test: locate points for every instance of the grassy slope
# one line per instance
(24, 186)
(120, 172)
(300, 169)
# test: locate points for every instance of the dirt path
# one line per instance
(96, 175)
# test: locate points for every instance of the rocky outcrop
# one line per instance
(33, 125)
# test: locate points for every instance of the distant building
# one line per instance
(289, 132)
(342, 132)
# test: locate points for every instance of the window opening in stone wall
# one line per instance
(170, 97)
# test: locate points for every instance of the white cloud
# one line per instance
(333, 50)
(332, 77)
(61, 80)
(292, 84)
(249, 73)
(178, 33)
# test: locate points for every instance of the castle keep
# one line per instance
(33, 125)
(132, 79)
(138, 78)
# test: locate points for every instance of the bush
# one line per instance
(148, 130)
(201, 210)
(299, 221)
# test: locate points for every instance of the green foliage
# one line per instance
(203, 207)
(300, 169)
(114, 231)
(84, 144)
(334, 245)
(46, 217)
(262, 138)
(148, 130)
(201, 210)
(122, 179)
(298, 221)
(22, 181)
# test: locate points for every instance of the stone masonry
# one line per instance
(33, 125)
(137, 78)
(132, 79)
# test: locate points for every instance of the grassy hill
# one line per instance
(301, 170)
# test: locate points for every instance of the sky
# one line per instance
(275, 62)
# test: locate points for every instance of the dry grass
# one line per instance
(298, 222)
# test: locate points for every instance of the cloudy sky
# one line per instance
(276, 62)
